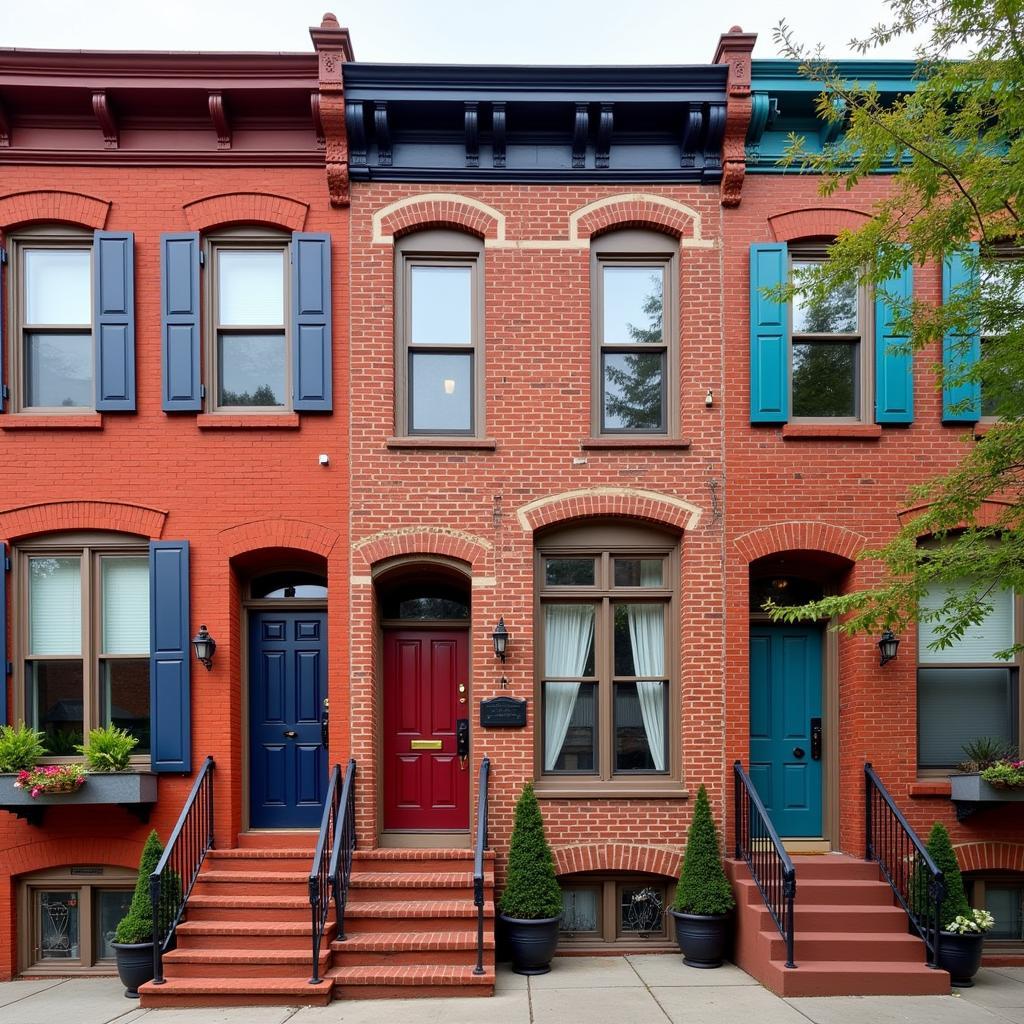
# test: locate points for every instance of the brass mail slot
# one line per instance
(424, 744)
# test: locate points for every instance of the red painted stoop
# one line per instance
(851, 938)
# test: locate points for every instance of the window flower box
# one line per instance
(971, 793)
(134, 791)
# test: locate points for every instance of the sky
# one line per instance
(445, 31)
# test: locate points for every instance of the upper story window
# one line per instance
(635, 335)
(1001, 281)
(831, 374)
(439, 333)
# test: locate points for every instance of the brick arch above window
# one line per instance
(650, 860)
(800, 536)
(53, 205)
(421, 540)
(59, 516)
(433, 210)
(636, 210)
(815, 222)
(246, 207)
(990, 856)
(278, 533)
(618, 502)
(989, 513)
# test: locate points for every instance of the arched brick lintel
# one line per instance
(800, 536)
(53, 205)
(989, 512)
(990, 856)
(618, 502)
(635, 210)
(278, 533)
(246, 207)
(438, 210)
(58, 516)
(815, 222)
(56, 853)
(436, 541)
(651, 860)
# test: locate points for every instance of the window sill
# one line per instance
(483, 444)
(612, 443)
(981, 428)
(924, 789)
(847, 431)
(549, 789)
(223, 421)
(28, 421)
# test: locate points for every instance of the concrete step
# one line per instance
(408, 981)
(389, 948)
(861, 978)
(825, 917)
(845, 946)
(841, 892)
(215, 992)
(835, 865)
(242, 963)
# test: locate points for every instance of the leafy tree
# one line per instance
(532, 891)
(703, 887)
(957, 146)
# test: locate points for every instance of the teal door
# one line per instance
(785, 725)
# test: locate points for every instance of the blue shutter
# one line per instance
(769, 335)
(179, 324)
(169, 657)
(961, 402)
(113, 257)
(311, 322)
(894, 371)
(4, 569)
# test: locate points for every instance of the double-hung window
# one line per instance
(1002, 283)
(439, 330)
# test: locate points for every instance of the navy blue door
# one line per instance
(785, 700)
(287, 686)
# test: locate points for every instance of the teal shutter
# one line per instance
(179, 321)
(769, 335)
(113, 257)
(5, 667)
(169, 657)
(961, 401)
(311, 322)
(894, 374)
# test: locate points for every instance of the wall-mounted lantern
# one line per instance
(204, 645)
(888, 646)
(501, 637)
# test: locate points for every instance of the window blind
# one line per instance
(979, 643)
(125, 605)
(55, 605)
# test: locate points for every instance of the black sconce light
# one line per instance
(501, 637)
(204, 645)
(888, 646)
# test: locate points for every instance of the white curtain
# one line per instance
(647, 635)
(568, 637)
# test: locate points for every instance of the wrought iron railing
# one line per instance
(478, 860)
(177, 870)
(759, 846)
(319, 875)
(916, 880)
(340, 868)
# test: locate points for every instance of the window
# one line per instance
(830, 366)
(619, 910)
(635, 335)
(605, 658)
(68, 917)
(439, 330)
(964, 692)
(52, 358)
(250, 362)
(1002, 895)
(83, 637)
(1001, 282)
(289, 584)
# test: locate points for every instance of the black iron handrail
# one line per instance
(171, 882)
(340, 868)
(319, 875)
(478, 860)
(908, 867)
(758, 844)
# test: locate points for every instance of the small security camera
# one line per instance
(325, 459)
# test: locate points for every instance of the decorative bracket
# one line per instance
(693, 123)
(713, 135)
(318, 121)
(735, 48)
(104, 114)
(580, 134)
(498, 134)
(382, 132)
(472, 127)
(221, 122)
(334, 49)
(355, 117)
(5, 127)
(604, 134)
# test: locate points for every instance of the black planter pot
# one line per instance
(703, 938)
(961, 956)
(530, 944)
(134, 965)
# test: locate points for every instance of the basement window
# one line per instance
(615, 910)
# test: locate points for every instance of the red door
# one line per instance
(426, 784)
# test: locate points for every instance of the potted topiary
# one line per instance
(531, 905)
(704, 896)
(133, 940)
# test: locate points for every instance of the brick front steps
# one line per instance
(410, 929)
(851, 938)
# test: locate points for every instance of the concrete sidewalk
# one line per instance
(587, 990)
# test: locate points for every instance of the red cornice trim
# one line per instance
(159, 158)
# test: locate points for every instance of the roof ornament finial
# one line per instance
(329, 21)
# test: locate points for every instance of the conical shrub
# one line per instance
(941, 848)
(703, 887)
(532, 891)
(137, 924)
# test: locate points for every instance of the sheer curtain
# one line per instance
(647, 636)
(568, 637)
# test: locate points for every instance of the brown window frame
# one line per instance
(245, 238)
(91, 548)
(636, 248)
(609, 933)
(443, 248)
(42, 236)
(976, 883)
(605, 541)
(998, 254)
(804, 252)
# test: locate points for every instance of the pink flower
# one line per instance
(36, 790)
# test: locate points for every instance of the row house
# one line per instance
(449, 403)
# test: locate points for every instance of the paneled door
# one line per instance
(785, 725)
(287, 686)
(426, 783)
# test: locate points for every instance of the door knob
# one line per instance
(798, 751)
(290, 733)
